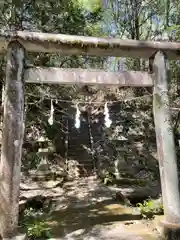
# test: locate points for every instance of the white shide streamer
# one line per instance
(77, 117)
(51, 118)
(107, 120)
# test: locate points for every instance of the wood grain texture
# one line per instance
(77, 45)
(87, 76)
(165, 140)
(12, 139)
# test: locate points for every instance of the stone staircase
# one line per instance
(79, 149)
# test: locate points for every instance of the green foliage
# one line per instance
(38, 230)
(91, 6)
(35, 225)
(84, 17)
(107, 177)
(32, 160)
(149, 208)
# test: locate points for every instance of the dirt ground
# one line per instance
(87, 211)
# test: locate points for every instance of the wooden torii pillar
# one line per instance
(166, 147)
(13, 125)
(12, 140)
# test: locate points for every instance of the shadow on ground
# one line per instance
(71, 219)
(87, 211)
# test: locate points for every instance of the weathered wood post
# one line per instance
(12, 139)
(166, 148)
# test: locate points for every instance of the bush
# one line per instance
(149, 208)
(35, 225)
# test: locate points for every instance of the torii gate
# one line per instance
(16, 43)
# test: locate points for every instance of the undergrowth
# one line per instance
(149, 208)
(34, 224)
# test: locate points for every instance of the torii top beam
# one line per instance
(77, 45)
